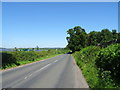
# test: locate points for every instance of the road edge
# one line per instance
(22, 65)
(80, 81)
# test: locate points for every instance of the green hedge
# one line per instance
(101, 67)
(108, 62)
(85, 59)
(16, 58)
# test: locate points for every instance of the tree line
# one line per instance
(78, 38)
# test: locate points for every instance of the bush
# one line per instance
(85, 59)
(8, 59)
(23, 57)
(108, 61)
(101, 67)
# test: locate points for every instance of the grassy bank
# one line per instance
(101, 67)
(17, 58)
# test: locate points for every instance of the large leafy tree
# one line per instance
(77, 38)
(99, 37)
(92, 38)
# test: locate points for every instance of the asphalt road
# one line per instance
(57, 72)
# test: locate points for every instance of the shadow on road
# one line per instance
(69, 53)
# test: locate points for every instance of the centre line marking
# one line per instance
(25, 78)
(55, 60)
(40, 69)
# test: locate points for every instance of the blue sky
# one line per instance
(45, 24)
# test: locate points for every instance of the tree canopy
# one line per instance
(79, 39)
(76, 39)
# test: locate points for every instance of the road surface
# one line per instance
(57, 72)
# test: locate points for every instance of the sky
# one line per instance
(60, 0)
(28, 24)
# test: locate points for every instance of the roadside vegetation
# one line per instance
(17, 58)
(79, 39)
(97, 54)
(101, 67)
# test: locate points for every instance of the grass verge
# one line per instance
(28, 62)
(17, 58)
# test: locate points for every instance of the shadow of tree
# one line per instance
(69, 53)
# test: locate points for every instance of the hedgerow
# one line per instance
(101, 67)
(108, 62)
(16, 58)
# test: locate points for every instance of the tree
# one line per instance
(106, 35)
(77, 38)
(37, 47)
(92, 38)
(16, 49)
(118, 35)
(114, 34)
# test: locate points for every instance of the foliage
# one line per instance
(8, 59)
(85, 59)
(93, 38)
(22, 57)
(79, 39)
(76, 39)
(106, 35)
(108, 61)
(100, 67)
